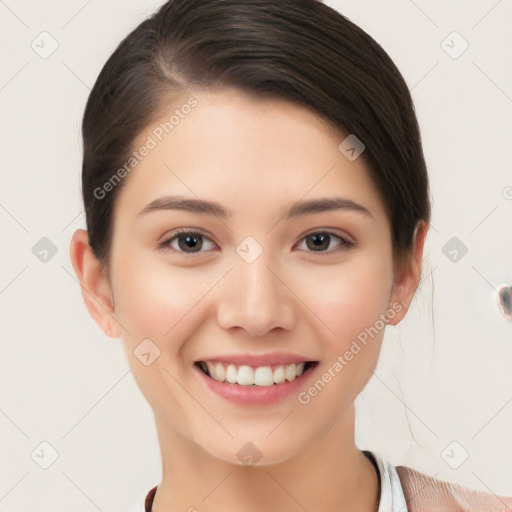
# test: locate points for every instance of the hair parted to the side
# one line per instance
(298, 50)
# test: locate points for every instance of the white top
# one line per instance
(392, 497)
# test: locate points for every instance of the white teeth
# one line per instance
(246, 375)
(263, 376)
(231, 374)
(279, 375)
(220, 372)
(211, 369)
(291, 372)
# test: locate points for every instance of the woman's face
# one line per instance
(289, 271)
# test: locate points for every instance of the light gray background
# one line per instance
(443, 377)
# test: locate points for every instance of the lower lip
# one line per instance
(257, 395)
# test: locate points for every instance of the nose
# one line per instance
(255, 298)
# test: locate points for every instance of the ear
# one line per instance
(95, 284)
(408, 277)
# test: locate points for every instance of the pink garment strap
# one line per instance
(424, 493)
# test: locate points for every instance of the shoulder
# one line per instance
(424, 493)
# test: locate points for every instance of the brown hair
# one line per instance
(298, 50)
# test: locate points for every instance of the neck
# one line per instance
(194, 480)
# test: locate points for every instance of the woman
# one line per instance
(257, 205)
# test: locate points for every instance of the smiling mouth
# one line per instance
(246, 375)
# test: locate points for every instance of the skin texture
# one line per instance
(256, 157)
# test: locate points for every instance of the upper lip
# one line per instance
(258, 360)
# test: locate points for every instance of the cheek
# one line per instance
(164, 304)
(352, 305)
(349, 298)
(157, 300)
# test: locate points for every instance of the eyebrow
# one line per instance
(187, 204)
(217, 210)
(325, 204)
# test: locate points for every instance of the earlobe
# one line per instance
(95, 285)
(407, 280)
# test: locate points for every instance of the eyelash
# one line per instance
(165, 244)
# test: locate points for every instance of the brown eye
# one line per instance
(318, 241)
(190, 242)
(321, 241)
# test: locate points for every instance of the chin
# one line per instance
(258, 453)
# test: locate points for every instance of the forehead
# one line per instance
(244, 152)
